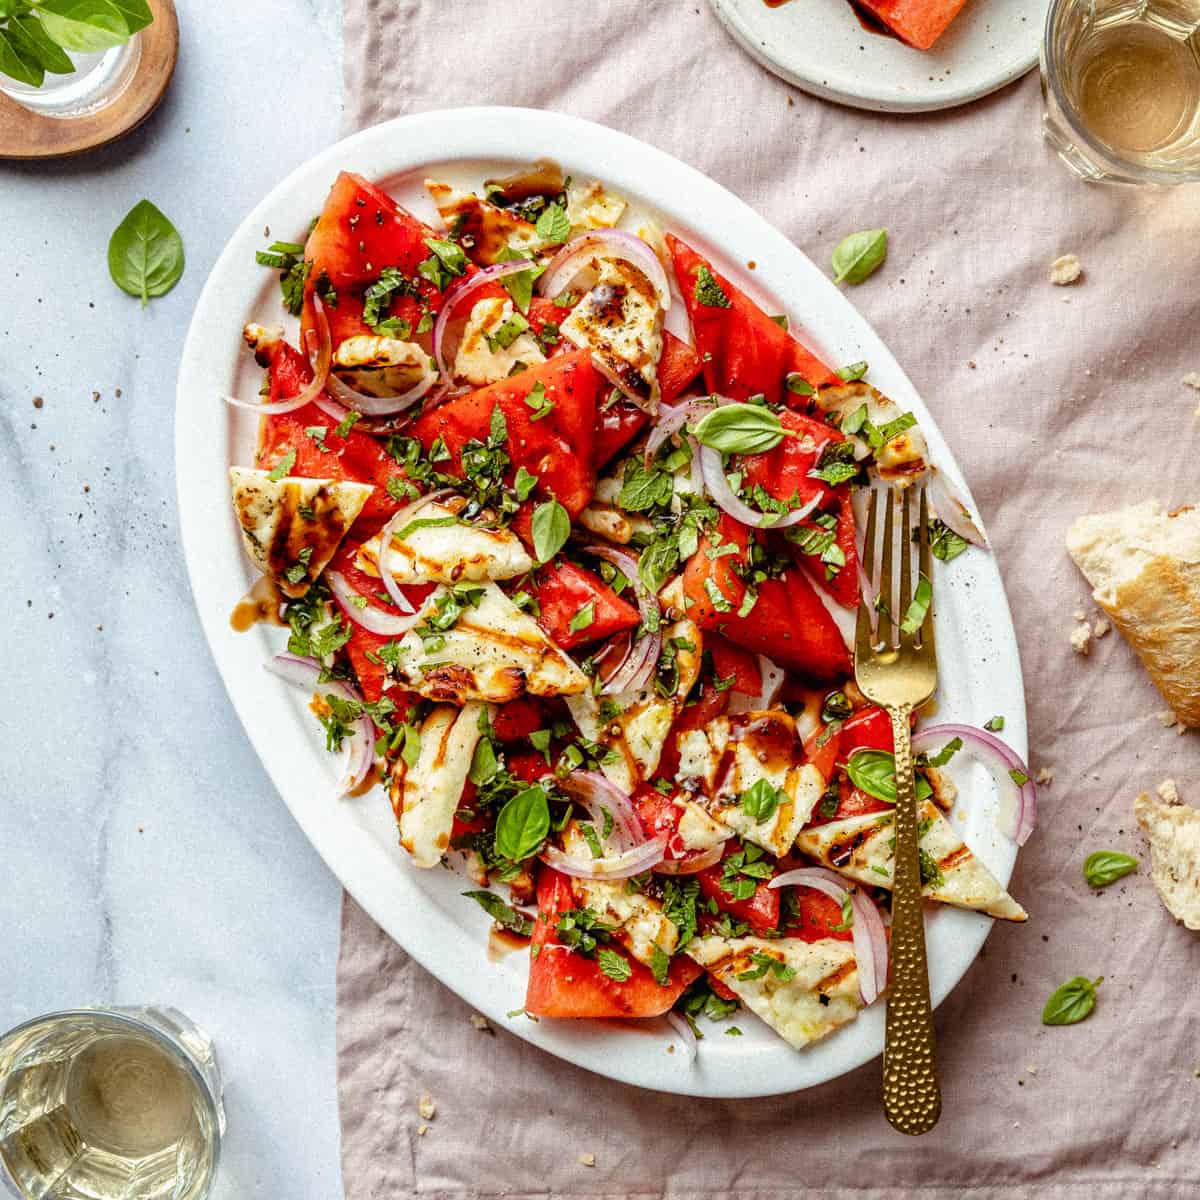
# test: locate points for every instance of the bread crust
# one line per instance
(1145, 572)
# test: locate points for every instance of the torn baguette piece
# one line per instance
(1144, 567)
(1173, 830)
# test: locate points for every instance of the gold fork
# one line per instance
(896, 667)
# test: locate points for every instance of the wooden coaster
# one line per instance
(29, 135)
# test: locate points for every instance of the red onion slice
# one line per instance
(614, 243)
(596, 793)
(687, 1036)
(402, 518)
(613, 866)
(867, 931)
(381, 406)
(457, 294)
(320, 365)
(647, 601)
(772, 680)
(359, 754)
(689, 864)
(952, 511)
(728, 501)
(1000, 759)
(374, 620)
(637, 669)
(670, 421)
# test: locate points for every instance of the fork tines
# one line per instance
(891, 608)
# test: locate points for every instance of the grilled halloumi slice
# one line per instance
(481, 357)
(861, 848)
(447, 553)
(903, 457)
(493, 652)
(620, 321)
(485, 227)
(644, 718)
(425, 795)
(641, 923)
(589, 206)
(820, 991)
(292, 527)
(723, 762)
(380, 366)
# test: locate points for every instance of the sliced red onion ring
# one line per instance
(647, 601)
(613, 866)
(953, 512)
(671, 419)
(402, 518)
(870, 937)
(772, 680)
(359, 754)
(320, 364)
(724, 497)
(696, 472)
(679, 1023)
(689, 864)
(381, 406)
(1000, 759)
(457, 294)
(374, 620)
(596, 794)
(614, 243)
(637, 669)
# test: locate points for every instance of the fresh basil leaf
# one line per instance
(859, 255)
(519, 285)
(874, 772)
(1072, 1002)
(85, 26)
(524, 483)
(946, 753)
(18, 59)
(895, 428)
(523, 824)
(145, 253)
(760, 800)
(484, 763)
(644, 488)
(551, 528)
(1103, 867)
(283, 466)
(137, 13)
(657, 562)
(660, 966)
(944, 543)
(740, 429)
(707, 289)
(583, 618)
(918, 610)
(51, 55)
(553, 224)
(837, 463)
(614, 965)
(503, 914)
(852, 372)
(798, 385)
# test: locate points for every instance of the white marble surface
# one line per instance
(144, 855)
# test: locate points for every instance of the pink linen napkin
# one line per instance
(1056, 401)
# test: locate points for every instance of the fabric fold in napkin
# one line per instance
(1056, 401)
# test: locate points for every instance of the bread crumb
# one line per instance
(1045, 776)
(1168, 792)
(1079, 615)
(1101, 627)
(1166, 718)
(1081, 639)
(587, 1160)
(422, 1130)
(1031, 1070)
(426, 1107)
(1192, 380)
(480, 1023)
(1065, 269)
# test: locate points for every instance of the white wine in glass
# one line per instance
(109, 1104)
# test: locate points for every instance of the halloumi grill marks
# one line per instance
(616, 696)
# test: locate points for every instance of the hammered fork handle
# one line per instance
(912, 1099)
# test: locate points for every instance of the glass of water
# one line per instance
(98, 80)
(1121, 82)
(107, 1104)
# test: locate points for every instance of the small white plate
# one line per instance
(820, 46)
(423, 910)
